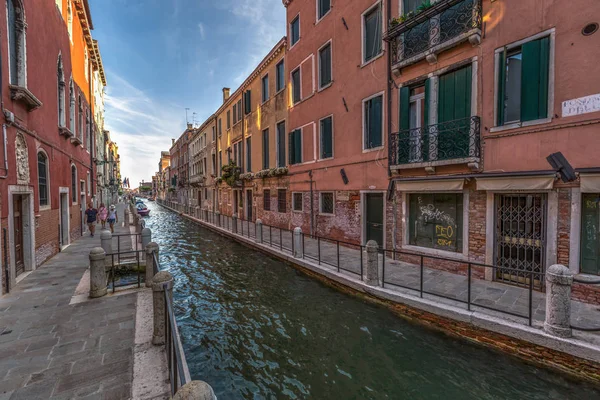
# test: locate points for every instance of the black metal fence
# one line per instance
(133, 258)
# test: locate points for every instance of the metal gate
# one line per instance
(520, 240)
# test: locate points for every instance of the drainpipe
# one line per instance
(5, 142)
(389, 87)
(312, 211)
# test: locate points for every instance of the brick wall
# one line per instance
(564, 226)
(586, 293)
(477, 224)
(273, 217)
(46, 235)
(75, 216)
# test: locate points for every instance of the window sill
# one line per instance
(45, 208)
(326, 214)
(76, 141)
(518, 125)
(325, 159)
(298, 211)
(435, 252)
(64, 131)
(322, 88)
(365, 63)
(373, 149)
(23, 95)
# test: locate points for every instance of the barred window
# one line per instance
(282, 200)
(297, 202)
(43, 178)
(267, 200)
(326, 203)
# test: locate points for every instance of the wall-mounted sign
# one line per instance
(582, 105)
(343, 195)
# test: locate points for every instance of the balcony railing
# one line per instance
(457, 141)
(447, 23)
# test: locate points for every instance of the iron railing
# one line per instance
(450, 140)
(112, 272)
(445, 24)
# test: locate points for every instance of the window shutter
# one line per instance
(326, 138)
(405, 107)
(298, 146)
(248, 102)
(534, 79)
(291, 148)
(501, 87)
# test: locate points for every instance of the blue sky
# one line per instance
(162, 56)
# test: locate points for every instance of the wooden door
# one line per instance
(18, 233)
(374, 218)
(249, 204)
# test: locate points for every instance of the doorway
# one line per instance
(18, 234)
(64, 237)
(249, 204)
(590, 234)
(374, 225)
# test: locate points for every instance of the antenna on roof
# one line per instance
(186, 116)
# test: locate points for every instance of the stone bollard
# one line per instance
(297, 242)
(259, 231)
(126, 216)
(218, 217)
(161, 282)
(97, 272)
(558, 301)
(151, 248)
(146, 237)
(371, 273)
(106, 243)
(234, 219)
(195, 390)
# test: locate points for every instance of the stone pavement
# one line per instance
(52, 350)
(491, 297)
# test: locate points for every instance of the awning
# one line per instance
(430, 185)
(516, 183)
(590, 183)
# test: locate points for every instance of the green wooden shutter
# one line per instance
(501, 87)
(404, 108)
(291, 152)
(298, 146)
(427, 97)
(534, 79)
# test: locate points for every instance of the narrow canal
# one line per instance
(256, 328)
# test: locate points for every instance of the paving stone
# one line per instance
(68, 348)
(35, 391)
(50, 374)
(84, 378)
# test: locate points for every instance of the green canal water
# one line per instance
(256, 328)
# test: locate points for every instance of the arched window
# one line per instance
(16, 42)
(61, 94)
(72, 107)
(70, 20)
(43, 178)
(80, 120)
(73, 184)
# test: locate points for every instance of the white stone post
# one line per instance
(234, 218)
(371, 273)
(146, 237)
(151, 249)
(97, 272)
(218, 218)
(259, 231)
(163, 281)
(106, 243)
(297, 242)
(195, 390)
(126, 216)
(558, 301)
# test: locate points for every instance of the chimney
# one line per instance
(190, 126)
(172, 142)
(225, 94)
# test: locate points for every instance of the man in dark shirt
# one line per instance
(91, 216)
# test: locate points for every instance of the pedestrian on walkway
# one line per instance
(92, 216)
(102, 214)
(112, 218)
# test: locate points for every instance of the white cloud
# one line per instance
(201, 30)
(141, 126)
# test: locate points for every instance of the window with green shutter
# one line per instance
(247, 102)
(523, 75)
(249, 154)
(281, 144)
(265, 148)
(325, 66)
(280, 81)
(326, 133)
(373, 119)
(295, 30)
(295, 152)
(296, 93)
(265, 88)
(372, 33)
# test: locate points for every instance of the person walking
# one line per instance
(92, 216)
(102, 214)
(112, 218)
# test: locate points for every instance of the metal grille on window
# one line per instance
(297, 201)
(267, 200)
(521, 238)
(327, 203)
(42, 179)
(281, 200)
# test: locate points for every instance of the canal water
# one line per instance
(256, 328)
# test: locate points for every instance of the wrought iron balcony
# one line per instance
(445, 24)
(451, 142)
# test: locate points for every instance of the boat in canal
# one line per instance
(142, 209)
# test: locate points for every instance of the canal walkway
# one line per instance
(52, 349)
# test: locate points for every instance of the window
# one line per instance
(295, 30)
(265, 149)
(214, 163)
(214, 134)
(281, 200)
(16, 43)
(435, 220)
(297, 201)
(326, 203)
(323, 8)
(62, 121)
(72, 108)
(281, 144)
(296, 91)
(220, 126)
(410, 5)
(373, 120)
(89, 184)
(239, 110)
(88, 125)
(229, 119)
(73, 184)
(43, 178)
(235, 114)
(220, 163)
(80, 120)
(247, 102)
(325, 66)
(295, 147)
(590, 231)
(248, 154)
(280, 81)
(372, 33)
(267, 200)
(86, 63)
(70, 20)
(326, 132)
(523, 75)
(265, 88)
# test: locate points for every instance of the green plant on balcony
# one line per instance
(405, 17)
(231, 174)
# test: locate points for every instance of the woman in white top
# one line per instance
(112, 218)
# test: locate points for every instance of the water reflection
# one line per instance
(255, 328)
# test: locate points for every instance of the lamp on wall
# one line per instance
(560, 164)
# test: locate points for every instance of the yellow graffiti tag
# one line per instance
(446, 232)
